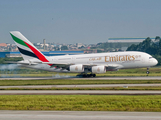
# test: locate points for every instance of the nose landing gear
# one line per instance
(147, 72)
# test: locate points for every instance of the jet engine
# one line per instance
(76, 68)
(98, 69)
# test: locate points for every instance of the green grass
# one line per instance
(81, 102)
(91, 88)
(122, 72)
(133, 72)
(73, 82)
(107, 74)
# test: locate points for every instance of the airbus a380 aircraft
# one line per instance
(85, 64)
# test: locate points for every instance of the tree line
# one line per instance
(149, 46)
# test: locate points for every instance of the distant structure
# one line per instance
(46, 53)
(3, 45)
(79, 45)
(60, 47)
(127, 40)
(44, 41)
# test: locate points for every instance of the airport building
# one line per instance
(127, 40)
(49, 53)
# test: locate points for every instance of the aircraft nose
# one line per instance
(155, 61)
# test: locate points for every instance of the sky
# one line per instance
(79, 21)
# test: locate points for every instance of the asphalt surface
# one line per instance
(80, 86)
(78, 115)
(77, 78)
(78, 92)
(82, 92)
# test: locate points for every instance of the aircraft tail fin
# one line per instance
(26, 48)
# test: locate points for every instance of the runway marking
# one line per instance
(95, 78)
(78, 92)
(78, 115)
(79, 86)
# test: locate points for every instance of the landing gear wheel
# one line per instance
(147, 72)
(84, 75)
(88, 75)
(94, 75)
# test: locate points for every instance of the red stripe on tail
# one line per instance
(38, 54)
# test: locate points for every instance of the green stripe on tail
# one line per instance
(18, 40)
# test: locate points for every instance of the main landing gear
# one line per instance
(86, 75)
(147, 72)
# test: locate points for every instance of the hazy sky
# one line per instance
(79, 21)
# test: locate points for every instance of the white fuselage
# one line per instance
(111, 60)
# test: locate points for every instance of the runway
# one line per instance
(81, 92)
(78, 92)
(77, 78)
(77, 115)
(80, 86)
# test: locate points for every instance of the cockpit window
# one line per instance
(150, 57)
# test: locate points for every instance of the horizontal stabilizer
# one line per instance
(21, 62)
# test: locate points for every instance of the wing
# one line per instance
(63, 66)
(109, 67)
(22, 62)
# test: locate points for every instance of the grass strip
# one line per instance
(73, 82)
(155, 71)
(151, 103)
(108, 74)
(91, 88)
(22, 70)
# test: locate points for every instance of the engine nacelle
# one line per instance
(98, 69)
(76, 68)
